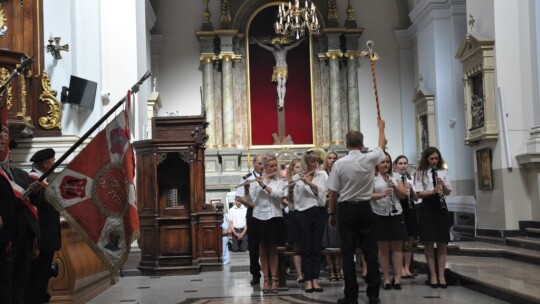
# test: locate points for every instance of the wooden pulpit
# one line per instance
(180, 234)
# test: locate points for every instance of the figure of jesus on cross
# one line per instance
(279, 46)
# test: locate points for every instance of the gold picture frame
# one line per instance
(483, 166)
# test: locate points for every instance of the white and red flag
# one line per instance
(97, 195)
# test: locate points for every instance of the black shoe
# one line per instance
(347, 301)
(443, 285)
(434, 285)
(396, 286)
(318, 289)
(309, 290)
(374, 300)
(255, 281)
(387, 286)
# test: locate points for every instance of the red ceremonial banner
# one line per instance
(96, 193)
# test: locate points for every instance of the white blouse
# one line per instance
(305, 197)
(383, 206)
(424, 182)
(267, 205)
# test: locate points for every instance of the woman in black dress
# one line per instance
(432, 185)
(409, 211)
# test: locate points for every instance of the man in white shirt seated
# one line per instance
(237, 220)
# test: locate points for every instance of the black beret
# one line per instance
(42, 155)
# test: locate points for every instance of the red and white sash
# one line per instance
(18, 192)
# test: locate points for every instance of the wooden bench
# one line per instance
(285, 252)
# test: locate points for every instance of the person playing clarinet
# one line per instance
(432, 185)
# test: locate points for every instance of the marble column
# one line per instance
(353, 98)
(336, 132)
(207, 61)
(227, 56)
(228, 102)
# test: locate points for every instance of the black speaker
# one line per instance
(81, 92)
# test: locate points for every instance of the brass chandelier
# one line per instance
(293, 20)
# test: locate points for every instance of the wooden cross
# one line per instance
(280, 138)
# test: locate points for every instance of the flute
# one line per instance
(249, 181)
(292, 182)
(440, 192)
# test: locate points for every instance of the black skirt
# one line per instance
(389, 228)
(270, 232)
(434, 222)
(411, 218)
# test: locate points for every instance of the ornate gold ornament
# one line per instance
(54, 115)
(3, 23)
(4, 74)
(22, 113)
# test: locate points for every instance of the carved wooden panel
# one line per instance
(35, 111)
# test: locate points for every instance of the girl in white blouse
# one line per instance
(432, 185)
(268, 224)
(309, 201)
(406, 181)
(388, 223)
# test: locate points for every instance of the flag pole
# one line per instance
(17, 71)
(134, 89)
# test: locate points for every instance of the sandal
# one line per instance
(275, 280)
(339, 276)
(331, 274)
(267, 282)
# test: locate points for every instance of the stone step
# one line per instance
(505, 279)
(533, 232)
(524, 242)
(483, 249)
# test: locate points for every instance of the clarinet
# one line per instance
(394, 209)
(440, 192)
(409, 196)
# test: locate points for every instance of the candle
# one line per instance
(248, 160)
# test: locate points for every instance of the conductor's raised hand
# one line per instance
(381, 124)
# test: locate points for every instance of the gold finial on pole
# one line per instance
(373, 57)
(350, 11)
(206, 13)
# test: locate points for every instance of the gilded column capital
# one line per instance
(333, 55)
(352, 55)
(207, 57)
(229, 56)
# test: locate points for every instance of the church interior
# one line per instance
(226, 85)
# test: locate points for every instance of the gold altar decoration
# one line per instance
(54, 114)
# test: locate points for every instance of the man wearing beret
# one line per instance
(49, 225)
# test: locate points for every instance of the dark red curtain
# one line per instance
(264, 110)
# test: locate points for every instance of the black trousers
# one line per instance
(253, 246)
(354, 220)
(309, 225)
(40, 269)
(240, 245)
(6, 275)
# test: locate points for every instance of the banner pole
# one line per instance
(134, 89)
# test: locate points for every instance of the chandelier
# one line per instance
(293, 20)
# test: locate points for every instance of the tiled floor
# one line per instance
(232, 286)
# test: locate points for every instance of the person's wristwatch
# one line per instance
(264, 187)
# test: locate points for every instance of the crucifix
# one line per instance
(279, 46)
